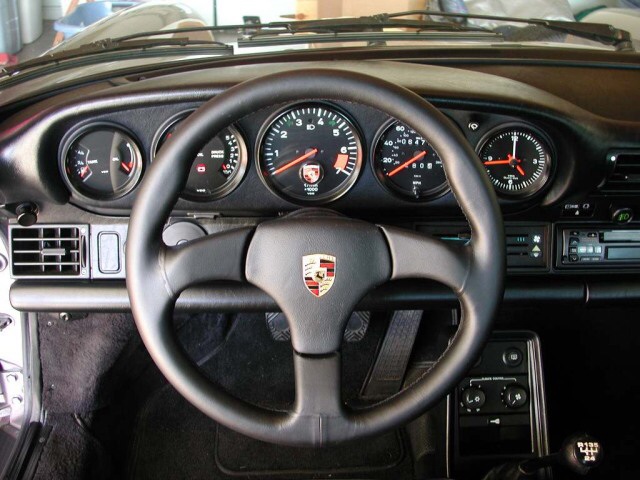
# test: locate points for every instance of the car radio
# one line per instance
(600, 247)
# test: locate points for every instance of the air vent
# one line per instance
(48, 251)
(625, 172)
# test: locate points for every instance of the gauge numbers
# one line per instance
(517, 160)
(218, 167)
(310, 153)
(407, 164)
(102, 163)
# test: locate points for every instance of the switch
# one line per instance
(512, 357)
(473, 398)
(108, 252)
(621, 215)
(514, 396)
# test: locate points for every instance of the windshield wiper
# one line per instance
(352, 29)
(599, 32)
(372, 29)
(369, 29)
(122, 44)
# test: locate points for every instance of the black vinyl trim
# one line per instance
(111, 296)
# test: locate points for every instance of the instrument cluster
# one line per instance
(305, 153)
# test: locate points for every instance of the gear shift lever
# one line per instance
(580, 453)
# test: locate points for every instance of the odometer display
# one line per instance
(407, 164)
(517, 160)
(310, 153)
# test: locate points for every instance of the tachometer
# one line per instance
(517, 159)
(407, 164)
(102, 162)
(218, 167)
(310, 153)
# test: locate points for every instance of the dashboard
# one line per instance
(559, 165)
(309, 153)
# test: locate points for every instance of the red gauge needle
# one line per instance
(301, 158)
(498, 162)
(84, 171)
(508, 161)
(127, 166)
(407, 163)
(520, 170)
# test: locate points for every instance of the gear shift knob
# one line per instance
(580, 453)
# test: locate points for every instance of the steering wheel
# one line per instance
(270, 256)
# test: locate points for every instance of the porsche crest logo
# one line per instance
(311, 173)
(318, 272)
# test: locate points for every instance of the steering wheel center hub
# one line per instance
(317, 269)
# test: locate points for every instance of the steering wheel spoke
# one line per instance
(415, 255)
(318, 399)
(220, 256)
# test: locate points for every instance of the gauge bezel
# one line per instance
(349, 183)
(78, 132)
(231, 184)
(544, 180)
(390, 187)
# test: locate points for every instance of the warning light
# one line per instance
(201, 168)
(341, 161)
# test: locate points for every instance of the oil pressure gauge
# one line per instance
(219, 166)
(517, 160)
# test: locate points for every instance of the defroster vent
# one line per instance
(49, 251)
(624, 172)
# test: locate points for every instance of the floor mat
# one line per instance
(240, 455)
(174, 440)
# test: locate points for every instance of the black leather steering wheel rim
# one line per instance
(157, 274)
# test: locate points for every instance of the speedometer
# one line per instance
(310, 153)
(407, 164)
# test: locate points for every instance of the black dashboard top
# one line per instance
(34, 142)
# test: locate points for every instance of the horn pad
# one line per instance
(317, 269)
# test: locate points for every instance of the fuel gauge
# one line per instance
(103, 163)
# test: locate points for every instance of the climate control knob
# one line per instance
(473, 398)
(515, 396)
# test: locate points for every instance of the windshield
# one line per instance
(31, 28)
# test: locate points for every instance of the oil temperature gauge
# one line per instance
(102, 163)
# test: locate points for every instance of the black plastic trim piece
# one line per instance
(24, 465)
(111, 296)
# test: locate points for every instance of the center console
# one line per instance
(497, 413)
